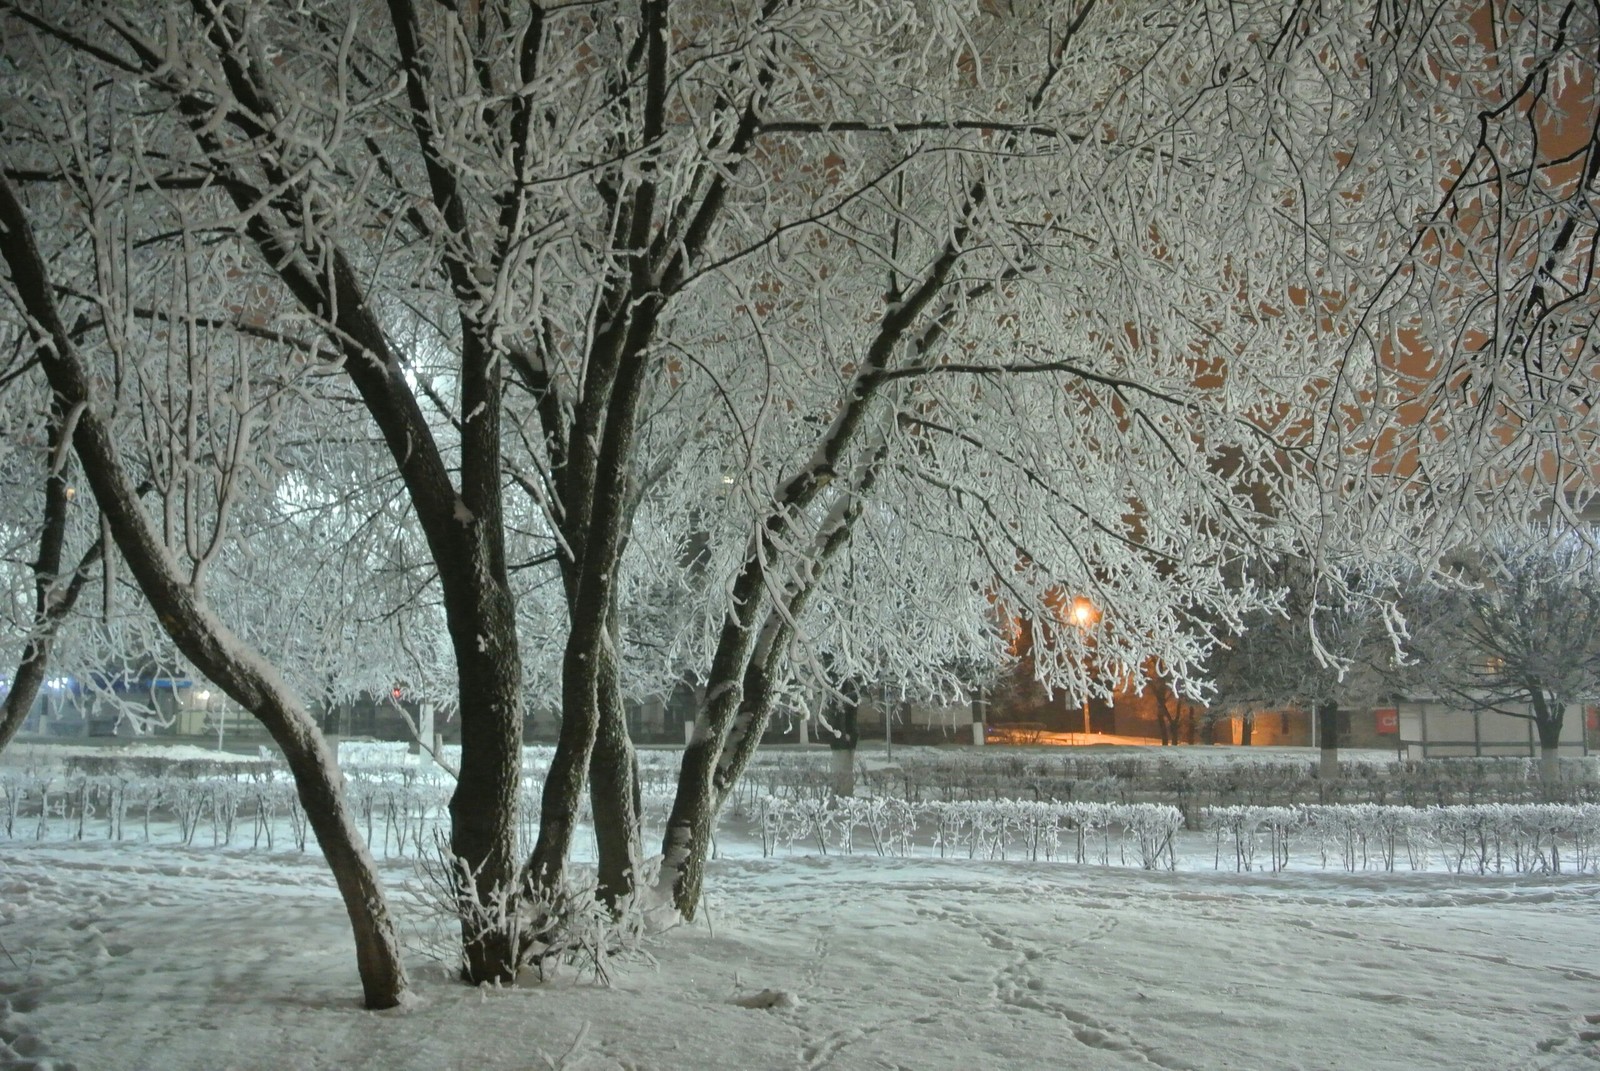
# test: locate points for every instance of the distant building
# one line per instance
(1427, 728)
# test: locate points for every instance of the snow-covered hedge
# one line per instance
(1474, 838)
(988, 829)
(118, 807)
(401, 806)
(1171, 776)
(399, 809)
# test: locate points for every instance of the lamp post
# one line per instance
(1083, 616)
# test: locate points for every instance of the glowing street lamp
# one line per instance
(1083, 616)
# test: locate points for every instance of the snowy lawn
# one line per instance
(132, 956)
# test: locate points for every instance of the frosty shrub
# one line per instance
(920, 773)
(402, 811)
(924, 774)
(1468, 838)
(1124, 834)
(569, 931)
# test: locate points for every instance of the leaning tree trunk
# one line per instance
(29, 677)
(213, 650)
(25, 684)
(755, 710)
(254, 685)
(53, 601)
(739, 701)
(708, 774)
(700, 791)
(730, 706)
(686, 842)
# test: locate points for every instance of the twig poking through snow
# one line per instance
(561, 1062)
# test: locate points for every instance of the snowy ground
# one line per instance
(151, 956)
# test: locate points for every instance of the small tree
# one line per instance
(1514, 629)
(176, 597)
(55, 591)
(1323, 647)
(1173, 713)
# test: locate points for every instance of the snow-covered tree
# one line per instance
(57, 582)
(174, 588)
(1327, 644)
(1069, 296)
(1514, 628)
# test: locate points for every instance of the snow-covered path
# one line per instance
(139, 956)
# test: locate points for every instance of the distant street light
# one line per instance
(1083, 616)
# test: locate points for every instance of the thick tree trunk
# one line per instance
(694, 807)
(842, 744)
(593, 741)
(1328, 741)
(1548, 716)
(598, 507)
(484, 805)
(564, 782)
(687, 840)
(320, 787)
(1550, 767)
(614, 793)
(842, 770)
(212, 649)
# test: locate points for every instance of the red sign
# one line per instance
(1388, 719)
(1591, 718)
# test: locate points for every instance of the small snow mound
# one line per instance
(768, 998)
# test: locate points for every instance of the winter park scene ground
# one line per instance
(128, 949)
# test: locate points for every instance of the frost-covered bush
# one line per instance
(1244, 829)
(401, 808)
(1127, 834)
(571, 930)
(918, 774)
(1469, 838)
(956, 774)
